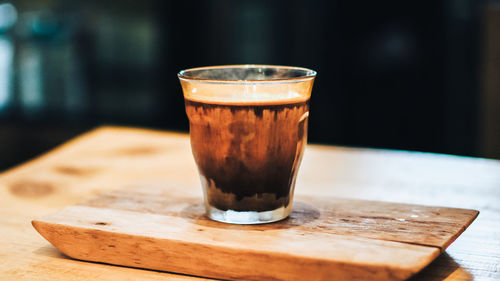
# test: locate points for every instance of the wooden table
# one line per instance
(111, 158)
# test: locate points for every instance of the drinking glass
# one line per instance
(248, 131)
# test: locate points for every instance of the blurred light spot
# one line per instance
(194, 90)
(8, 16)
(462, 9)
(395, 44)
(30, 79)
(391, 47)
(6, 59)
(45, 24)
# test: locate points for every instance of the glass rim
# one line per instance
(308, 74)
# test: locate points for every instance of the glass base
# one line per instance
(248, 217)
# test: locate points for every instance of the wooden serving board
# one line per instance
(323, 239)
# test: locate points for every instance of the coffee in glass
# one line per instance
(248, 130)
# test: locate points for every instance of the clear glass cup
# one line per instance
(248, 130)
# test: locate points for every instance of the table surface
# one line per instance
(90, 164)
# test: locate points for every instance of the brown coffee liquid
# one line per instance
(248, 155)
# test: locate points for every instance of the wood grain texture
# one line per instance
(109, 158)
(150, 227)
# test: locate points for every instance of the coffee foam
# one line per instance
(247, 94)
(251, 98)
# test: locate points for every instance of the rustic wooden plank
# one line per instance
(323, 238)
(110, 157)
(170, 245)
(407, 223)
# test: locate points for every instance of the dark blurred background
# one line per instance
(413, 75)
